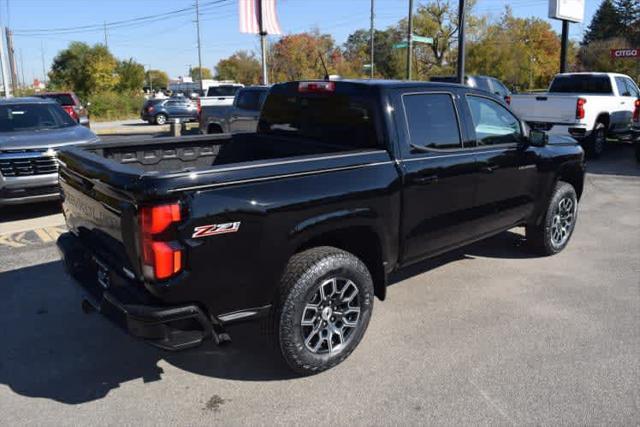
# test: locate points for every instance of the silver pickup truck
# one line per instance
(31, 131)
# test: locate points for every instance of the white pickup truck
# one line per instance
(587, 106)
(220, 95)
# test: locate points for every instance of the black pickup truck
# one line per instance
(302, 222)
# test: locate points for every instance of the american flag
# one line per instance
(250, 15)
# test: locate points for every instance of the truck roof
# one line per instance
(396, 83)
(26, 100)
(592, 73)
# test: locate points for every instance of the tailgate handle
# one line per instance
(541, 98)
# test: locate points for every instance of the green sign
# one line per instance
(414, 39)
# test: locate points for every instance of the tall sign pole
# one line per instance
(199, 48)
(566, 11)
(409, 39)
(3, 65)
(263, 43)
(11, 54)
(460, 65)
(372, 37)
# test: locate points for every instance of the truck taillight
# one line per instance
(636, 111)
(71, 111)
(317, 87)
(507, 99)
(198, 106)
(161, 257)
(580, 108)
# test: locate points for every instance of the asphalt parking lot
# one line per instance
(486, 335)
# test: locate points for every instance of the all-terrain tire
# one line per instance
(554, 231)
(305, 274)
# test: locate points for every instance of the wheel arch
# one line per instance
(215, 125)
(362, 240)
(603, 118)
(574, 175)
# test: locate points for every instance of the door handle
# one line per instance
(488, 169)
(427, 179)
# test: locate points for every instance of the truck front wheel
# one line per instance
(556, 228)
(326, 300)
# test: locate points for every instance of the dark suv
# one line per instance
(70, 103)
(159, 111)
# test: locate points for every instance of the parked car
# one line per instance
(302, 222)
(31, 132)
(220, 94)
(486, 83)
(71, 104)
(160, 111)
(242, 116)
(587, 106)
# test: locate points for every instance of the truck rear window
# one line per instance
(581, 84)
(335, 119)
(223, 90)
(61, 98)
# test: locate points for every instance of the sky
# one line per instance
(170, 43)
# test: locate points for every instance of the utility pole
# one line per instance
(199, 49)
(372, 37)
(460, 65)
(263, 43)
(44, 73)
(150, 79)
(106, 39)
(22, 69)
(564, 47)
(3, 65)
(409, 39)
(11, 54)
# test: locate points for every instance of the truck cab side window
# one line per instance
(493, 123)
(623, 90)
(432, 120)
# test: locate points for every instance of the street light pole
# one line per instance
(460, 65)
(564, 47)
(263, 43)
(409, 39)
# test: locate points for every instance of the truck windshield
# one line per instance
(33, 117)
(577, 83)
(223, 90)
(335, 119)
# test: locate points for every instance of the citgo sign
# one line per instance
(625, 53)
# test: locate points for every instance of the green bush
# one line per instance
(115, 106)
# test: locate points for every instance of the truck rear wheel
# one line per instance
(326, 300)
(556, 228)
(597, 140)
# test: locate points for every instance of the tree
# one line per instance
(131, 75)
(521, 52)
(597, 57)
(156, 79)
(195, 73)
(388, 63)
(629, 13)
(241, 67)
(605, 24)
(84, 69)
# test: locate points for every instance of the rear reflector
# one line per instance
(636, 111)
(319, 86)
(161, 258)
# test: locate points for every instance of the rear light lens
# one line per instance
(580, 108)
(161, 257)
(507, 99)
(72, 112)
(317, 87)
(150, 108)
(198, 106)
(636, 111)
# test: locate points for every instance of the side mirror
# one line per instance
(538, 138)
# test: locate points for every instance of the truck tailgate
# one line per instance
(545, 108)
(102, 217)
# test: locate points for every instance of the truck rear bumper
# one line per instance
(168, 327)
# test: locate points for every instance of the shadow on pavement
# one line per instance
(51, 349)
(619, 159)
(28, 211)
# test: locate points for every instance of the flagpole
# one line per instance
(263, 43)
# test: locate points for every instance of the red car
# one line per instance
(71, 104)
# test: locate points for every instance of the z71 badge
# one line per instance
(215, 229)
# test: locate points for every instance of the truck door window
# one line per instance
(493, 123)
(432, 120)
(249, 100)
(623, 90)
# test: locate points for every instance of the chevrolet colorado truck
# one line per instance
(587, 106)
(301, 222)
